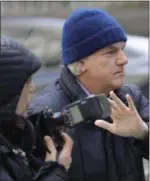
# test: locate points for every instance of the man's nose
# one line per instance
(122, 58)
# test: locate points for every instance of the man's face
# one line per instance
(105, 68)
(25, 97)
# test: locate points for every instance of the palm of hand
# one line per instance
(126, 120)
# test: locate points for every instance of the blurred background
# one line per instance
(38, 25)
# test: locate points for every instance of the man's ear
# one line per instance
(77, 68)
(81, 66)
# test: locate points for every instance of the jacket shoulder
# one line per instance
(133, 90)
(52, 96)
(140, 101)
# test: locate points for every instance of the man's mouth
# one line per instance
(121, 72)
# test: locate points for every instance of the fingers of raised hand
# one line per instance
(130, 103)
(113, 105)
(118, 102)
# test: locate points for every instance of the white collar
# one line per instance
(84, 89)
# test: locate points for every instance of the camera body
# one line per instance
(80, 112)
(87, 110)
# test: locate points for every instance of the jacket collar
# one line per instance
(71, 86)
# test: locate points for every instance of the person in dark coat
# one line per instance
(17, 134)
(93, 63)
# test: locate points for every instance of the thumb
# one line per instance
(65, 155)
(67, 148)
(51, 147)
(105, 125)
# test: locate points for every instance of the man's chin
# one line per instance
(118, 83)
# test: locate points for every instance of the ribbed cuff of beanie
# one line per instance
(95, 42)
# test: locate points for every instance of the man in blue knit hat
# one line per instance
(93, 63)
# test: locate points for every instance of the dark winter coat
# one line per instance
(97, 154)
(15, 165)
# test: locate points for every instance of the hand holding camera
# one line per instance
(84, 111)
(64, 157)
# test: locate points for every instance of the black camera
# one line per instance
(80, 112)
(87, 110)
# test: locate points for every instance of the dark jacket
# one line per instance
(19, 167)
(17, 64)
(97, 154)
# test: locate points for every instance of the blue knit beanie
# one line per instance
(87, 30)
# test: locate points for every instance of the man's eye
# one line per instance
(111, 52)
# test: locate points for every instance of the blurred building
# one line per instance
(135, 13)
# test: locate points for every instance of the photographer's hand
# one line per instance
(64, 157)
(52, 154)
(126, 120)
